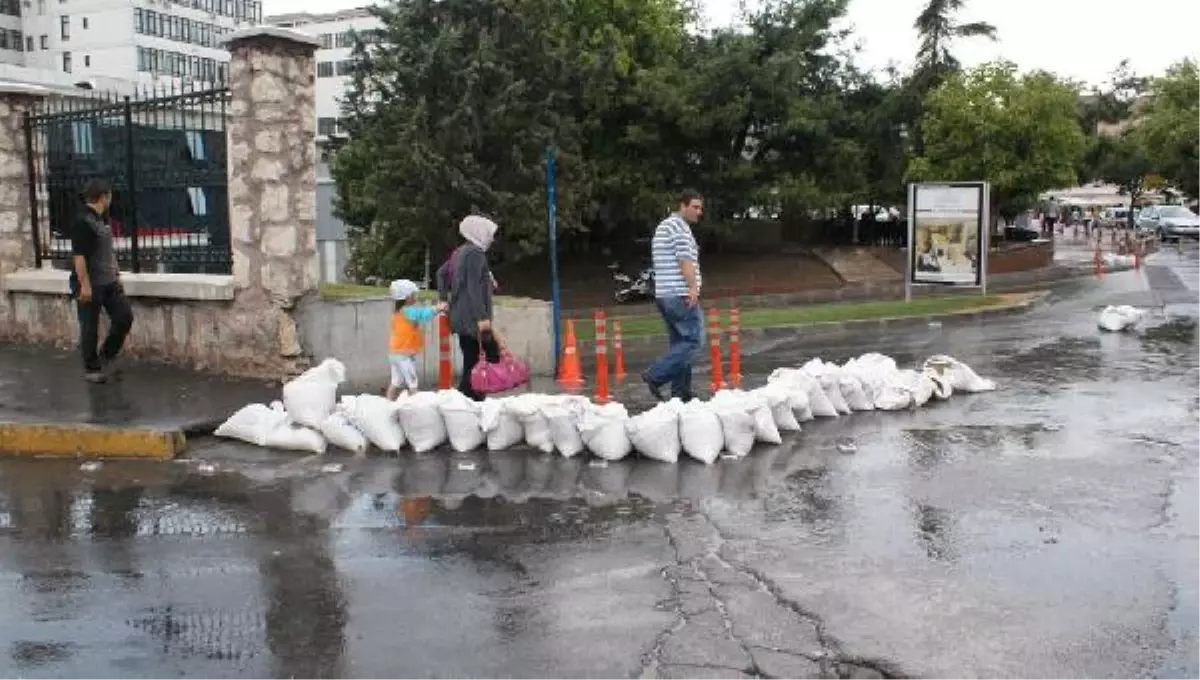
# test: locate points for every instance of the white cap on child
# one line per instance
(402, 289)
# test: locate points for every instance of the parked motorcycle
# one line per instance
(632, 288)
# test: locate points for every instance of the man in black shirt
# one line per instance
(96, 284)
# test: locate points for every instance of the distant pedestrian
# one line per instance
(96, 284)
(467, 282)
(1050, 215)
(406, 337)
(677, 280)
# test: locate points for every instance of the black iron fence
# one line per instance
(164, 154)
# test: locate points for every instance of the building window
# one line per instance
(87, 61)
(64, 27)
(326, 126)
(326, 41)
(198, 200)
(344, 39)
(325, 69)
(81, 136)
(66, 62)
(41, 6)
(10, 7)
(45, 42)
(345, 67)
(29, 43)
(85, 23)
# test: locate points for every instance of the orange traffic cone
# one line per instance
(570, 376)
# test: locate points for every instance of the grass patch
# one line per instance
(354, 291)
(651, 325)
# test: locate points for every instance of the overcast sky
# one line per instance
(1079, 39)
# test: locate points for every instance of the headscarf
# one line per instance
(478, 230)
(402, 289)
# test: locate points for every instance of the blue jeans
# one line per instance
(684, 327)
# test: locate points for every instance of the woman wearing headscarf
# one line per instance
(468, 280)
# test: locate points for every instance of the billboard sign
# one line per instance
(948, 233)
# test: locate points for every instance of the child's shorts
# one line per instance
(404, 371)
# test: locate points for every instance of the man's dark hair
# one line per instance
(95, 189)
(688, 195)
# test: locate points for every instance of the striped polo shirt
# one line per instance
(673, 241)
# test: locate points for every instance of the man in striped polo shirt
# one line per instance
(677, 293)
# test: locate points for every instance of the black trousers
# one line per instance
(112, 300)
(472, 347)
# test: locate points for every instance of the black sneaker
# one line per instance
(655, 390)
(95, 377)
(112, 369)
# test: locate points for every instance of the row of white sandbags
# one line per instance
(732, 421)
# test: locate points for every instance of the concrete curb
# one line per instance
(1018, 306)
(69, 440)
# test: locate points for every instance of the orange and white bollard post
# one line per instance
(714, 349)
(618, 352)
(601, 395)
(735, 348)
(445, 371)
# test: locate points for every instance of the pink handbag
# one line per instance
(504, 375)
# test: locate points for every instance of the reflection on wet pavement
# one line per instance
(1047, 529)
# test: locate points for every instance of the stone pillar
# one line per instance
(16, 214)
(271, 133)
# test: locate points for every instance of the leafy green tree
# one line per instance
(1123, 161)
(1017, 132)
(1170, 126)
(937, 31)
(449, 113)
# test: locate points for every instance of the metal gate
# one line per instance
(164, 154)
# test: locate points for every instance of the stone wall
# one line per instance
(16, 239)
(356, 333)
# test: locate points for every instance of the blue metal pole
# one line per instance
(552, 228)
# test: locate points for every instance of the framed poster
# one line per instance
(948, 234)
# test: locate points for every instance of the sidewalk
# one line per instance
(46, 408)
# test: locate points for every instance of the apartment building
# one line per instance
(112, 44)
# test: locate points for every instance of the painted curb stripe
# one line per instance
(88, 441)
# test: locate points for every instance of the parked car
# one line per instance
(1114, 217)
(1169, 222)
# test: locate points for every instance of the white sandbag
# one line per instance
(920, 387)
(818, 401)
(738, 428)
(528, 409)
(827, 376)
(779, 400)
(339, 431)
(603, 430)
(376, 417)
(893, 396)
(873, 372)
(422, 421)
(563, 422)
(252, 423)
(655, 433)
(290, 436)
(310, 398)
(503, 429)
(463, 419)
(765, 429)
(852, 391)
(942, 390)
(700, 432)
(818, 404)
(1120, 318)
(959, 375)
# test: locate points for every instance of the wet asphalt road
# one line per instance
(1046, 530)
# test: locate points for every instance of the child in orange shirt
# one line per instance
(407, 336)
